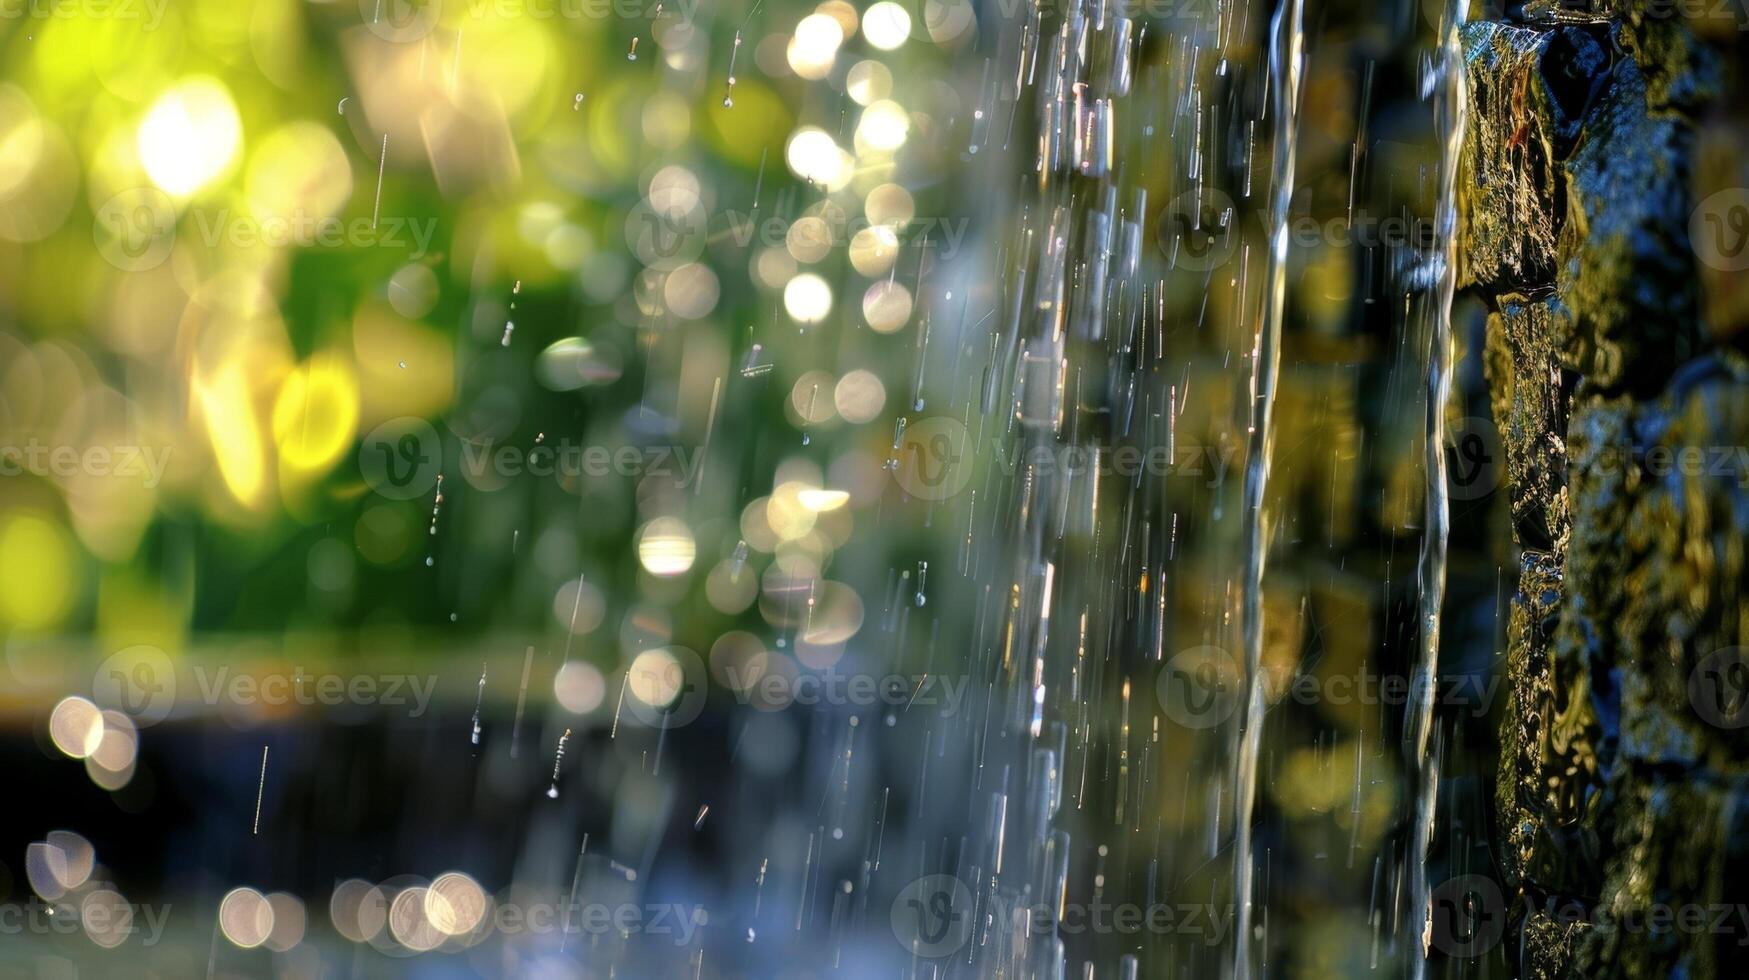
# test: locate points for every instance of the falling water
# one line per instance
(558, 763)
(479, 699)
(1286, 63)
(1063, 594)
(1451, 106)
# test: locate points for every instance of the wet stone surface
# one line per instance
(1620, 787)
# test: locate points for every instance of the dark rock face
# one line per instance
(1620, 801)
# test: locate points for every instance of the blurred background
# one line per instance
(646, 489)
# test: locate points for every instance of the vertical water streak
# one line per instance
(1286, 65)
(1450, 108)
